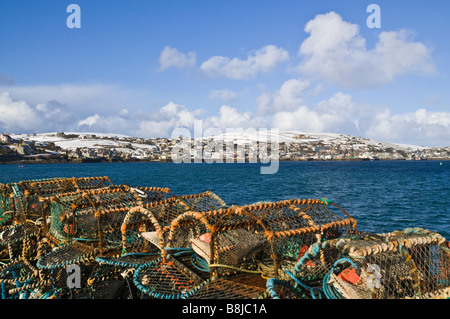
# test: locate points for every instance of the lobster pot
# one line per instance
(168, 210)
(137, 227)
(221, 288)
(67, 254)
(88, 214)
(204, 202)
(32, 193)
(11, 204)
(150, 195)
(18, 279)
(17, 192)
(129, 261)
(166, 278)
(147, 229)
(406, 264)
(430, 254)
(143, 229)
(283, 289)
(16, 233)
(64, 221)
(238, 244)
(293, 226)
(56, 186)
(269, 236)
(107, 282)
(5, 204)
(19, 241)
(109, 229)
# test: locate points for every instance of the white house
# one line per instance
(5, 138)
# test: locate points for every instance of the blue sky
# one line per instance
(146, 67)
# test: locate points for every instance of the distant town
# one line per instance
(63, 147)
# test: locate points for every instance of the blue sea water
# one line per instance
(383, 196)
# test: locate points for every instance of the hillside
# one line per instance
(293, 145)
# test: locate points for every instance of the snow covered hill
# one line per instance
(74, 140)
(294, 145)
(246, 137)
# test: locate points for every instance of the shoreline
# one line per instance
(90, 161)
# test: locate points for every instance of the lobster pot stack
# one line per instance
(87, 224)
(413, 263)
(87, 238)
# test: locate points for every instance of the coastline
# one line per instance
(89, 161)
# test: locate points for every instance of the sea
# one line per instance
(383, 196)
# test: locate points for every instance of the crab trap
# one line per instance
(25, 200)
(413, 263)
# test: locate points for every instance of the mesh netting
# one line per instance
(166, 278)
(18, 279)
(67, 255)
(413, 263)
(14, 233)
(284, 289)
(221, 288)
(5, 204)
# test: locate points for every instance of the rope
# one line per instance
(329, 291)
(199, 263)
(235, 268)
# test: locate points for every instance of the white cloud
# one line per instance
(302, 119)
(287, 98)
(163, 122)
(339, 105)
(230, 117)
(285, 109)
(419, 127)
(17, 116)
(56, 113)
(42, 107)
(337, 114)
(337, 53)
(260, 61)
(340, 114)
(224, 95)
(111, 123)
(62, 107)
(79, 98)
(21, 116)
(171, 57)
(123, 112)
(90, 120)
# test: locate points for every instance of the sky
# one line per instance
(144, 68)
